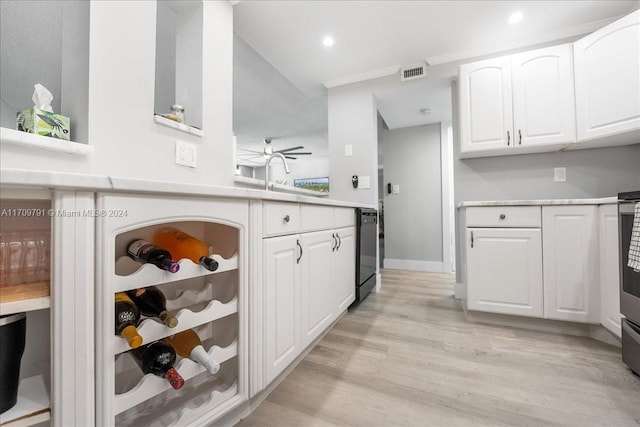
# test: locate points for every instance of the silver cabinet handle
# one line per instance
(472, 240)
(286, 218)
(502, 216)
(508, 138)
(519, 137)
(339, 241)
(335, 242)
(300, 246)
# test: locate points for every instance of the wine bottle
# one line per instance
(183, 245)
(152, 303)
(146, 252)
(188, 344)
(158, 358)
(127, 318)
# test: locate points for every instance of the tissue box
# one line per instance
(35, 120)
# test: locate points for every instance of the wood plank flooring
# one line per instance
(407, 357)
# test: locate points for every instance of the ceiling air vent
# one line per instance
(413, 72)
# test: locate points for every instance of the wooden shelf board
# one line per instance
(25, 297)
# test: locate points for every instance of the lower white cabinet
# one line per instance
(309, 279)
(570, 248)
(504, 270)
(609, 269)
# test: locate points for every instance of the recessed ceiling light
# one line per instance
(515, 18)
(327, 41)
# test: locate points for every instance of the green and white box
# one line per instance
(35, 120)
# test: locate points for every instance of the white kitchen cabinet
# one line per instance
(212, 303)
(517, 104)
(609, 269)
(308, 281)
(486, 114)
(504, 270)
(282, 295)
(607, 81)
(570, 247)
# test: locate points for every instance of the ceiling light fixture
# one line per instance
(515, 18)
(327, 41)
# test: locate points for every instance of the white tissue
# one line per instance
(42, 98)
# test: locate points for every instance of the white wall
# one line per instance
(413, 218)
(127, 141)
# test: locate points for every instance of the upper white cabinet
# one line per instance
(517, 104)
(486, 115)
(570, 247)
(607, 80)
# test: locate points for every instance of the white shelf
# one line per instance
(31, 140)
(132, 275)
(177, 125)
(32, 406)
(25, 305)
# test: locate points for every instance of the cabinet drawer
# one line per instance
(314, 217)
(281, 218)
(344, 217)
(504, 216)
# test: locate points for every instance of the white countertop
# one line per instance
(541, 202)
(63, 180)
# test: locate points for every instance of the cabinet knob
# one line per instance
(502, 216)
(286, 218)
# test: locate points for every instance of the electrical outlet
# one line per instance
(559, 174)
(186, 154)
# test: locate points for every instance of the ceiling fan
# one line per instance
(289, 153)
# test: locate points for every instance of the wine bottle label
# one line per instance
(126, 316)
(139, 248)
(164, 358)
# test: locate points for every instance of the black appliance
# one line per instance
(366, 251)
(629, 283)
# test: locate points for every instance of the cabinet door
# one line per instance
(486, 116)
(316, 284)
(282, 302)
(344, 271)
(504, 270)
(543, 98)
(609, 269)
(607, 74)
(570, 248)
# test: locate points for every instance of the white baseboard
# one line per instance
(413, 265)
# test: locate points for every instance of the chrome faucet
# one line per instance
(266, 168)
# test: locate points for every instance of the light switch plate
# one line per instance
(364, 182)
(559, 174)
(395, 189)
(186, 154)
(348, 150)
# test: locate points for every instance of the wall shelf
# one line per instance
(25, 139)
(24, 297)
(177, 125)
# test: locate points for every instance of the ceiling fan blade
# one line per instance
(298, 154)
(289, 157)
(284, 150)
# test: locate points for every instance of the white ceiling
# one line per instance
(376, 37)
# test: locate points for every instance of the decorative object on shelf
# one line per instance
(178, 111)
(40, 118)
(12, 340)
(188, 344)
(24, 257)
(127, 318)
(146, 252)
(158, 358)
(183, 245)
(152, 303)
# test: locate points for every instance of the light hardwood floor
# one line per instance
(407, 357)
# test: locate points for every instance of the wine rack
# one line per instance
(211, 303)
